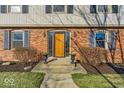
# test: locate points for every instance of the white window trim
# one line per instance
(106, 40)
(12, 37)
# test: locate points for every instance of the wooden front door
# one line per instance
(59, 44)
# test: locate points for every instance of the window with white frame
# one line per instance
(15, 8)
(59, 9)
(100, 39)
(17, 39)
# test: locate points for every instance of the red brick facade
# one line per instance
(39, 40)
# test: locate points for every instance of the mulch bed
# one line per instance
(119, 68)
(104, 68)
(16, 67)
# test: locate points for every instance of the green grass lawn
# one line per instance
(98, 81)
(20, 80)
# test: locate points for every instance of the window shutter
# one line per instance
(26, 38)
(25, 9)
(48, 9)
(51, 43)
(7, 40)
(112, 40)
(114, 8)
(70, 9)
(3, 9)
(67, 42)
(91, 38)
(10, 39)
(92, 8)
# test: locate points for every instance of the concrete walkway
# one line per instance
(58, 73)
(58, 81)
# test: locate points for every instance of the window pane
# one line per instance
(17, 44)
(102, 8)
(100, 44)
(17, 36)
(100, 36)
(100, 39)
(58, 8)
(15, 9)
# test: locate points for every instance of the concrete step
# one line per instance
(59, 69)
(57, 64)
(60, 63)
(51, 66)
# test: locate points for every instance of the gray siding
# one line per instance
(81, 17)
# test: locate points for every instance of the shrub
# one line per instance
(93, 55)
(27, 55)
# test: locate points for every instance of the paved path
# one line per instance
(58, 73)
(58, 81)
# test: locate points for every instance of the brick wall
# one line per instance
(78, 36)
(39, 40)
